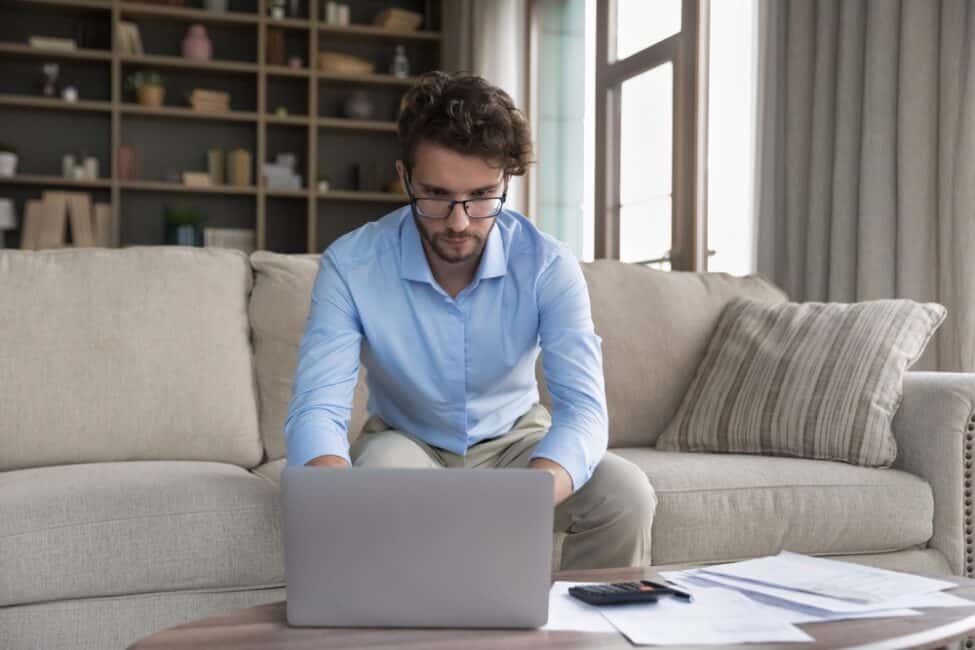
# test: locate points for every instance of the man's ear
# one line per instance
(401, 171)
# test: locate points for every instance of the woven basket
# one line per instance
(344, 63)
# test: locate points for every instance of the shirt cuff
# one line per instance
(312, 435)
(565, 448)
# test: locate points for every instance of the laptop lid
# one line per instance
(408, 547)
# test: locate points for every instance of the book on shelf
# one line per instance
(52, 43)
(209, 101)
(128, 37)
(46, 222)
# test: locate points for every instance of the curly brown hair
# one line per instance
(465, 113)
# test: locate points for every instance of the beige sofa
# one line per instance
(142, 396)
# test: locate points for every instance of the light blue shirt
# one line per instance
(450, 371)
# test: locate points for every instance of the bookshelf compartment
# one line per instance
(142, 214)
(180, 83)
(89, 28)
(42, 138)
(24, 77)
(166, 148)
(360, 169)
(229, 42)
(288, 93)
(287, 225)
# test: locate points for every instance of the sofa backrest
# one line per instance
(278, 313)
(139, 353)
(655, 327)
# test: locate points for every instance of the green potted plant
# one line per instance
(8, 160)
(148, 87)
(184, 226)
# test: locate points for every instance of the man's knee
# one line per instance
(623, 494)
(630, 485)
(389, 449)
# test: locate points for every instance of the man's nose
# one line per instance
(457, 220)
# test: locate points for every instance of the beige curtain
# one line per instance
(866, 166)
(489, 38)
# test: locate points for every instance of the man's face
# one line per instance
(441, 173)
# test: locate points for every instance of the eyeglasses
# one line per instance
(479, 208)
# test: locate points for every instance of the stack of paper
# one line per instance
(756, 601)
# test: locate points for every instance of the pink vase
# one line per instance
(196, 44)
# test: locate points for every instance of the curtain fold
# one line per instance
(488, 38)
(866, 156)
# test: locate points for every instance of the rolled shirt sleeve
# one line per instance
(328, 367)
(573, 366)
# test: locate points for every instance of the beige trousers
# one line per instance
(604, 524)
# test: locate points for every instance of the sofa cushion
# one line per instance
(724, 507)
(655, 327)
(140, 353)
(279, 307)
(108, 529)
(813, 380)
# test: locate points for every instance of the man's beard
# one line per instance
(439, 247)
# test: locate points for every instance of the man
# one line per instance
(446, 302)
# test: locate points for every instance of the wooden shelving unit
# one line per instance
(174, 137)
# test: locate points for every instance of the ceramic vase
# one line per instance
(126, 162)
(196, 44)
(358, 106)
(8, 164)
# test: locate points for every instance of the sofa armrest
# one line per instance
(935, 429)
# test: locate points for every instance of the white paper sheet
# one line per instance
(715, 616)
(795, 612)
(837, 580)
(568, 613)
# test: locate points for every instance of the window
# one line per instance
(646, 143)
(641, 23)
(616, 103)
(650, 132)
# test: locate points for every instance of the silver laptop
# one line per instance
(461, 548)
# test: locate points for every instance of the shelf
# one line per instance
(285, 71)
(289, 120)
(343, 123)
(287, 194)
(22, 49)
(78, 5)
(179, 62)
(373, 197)
(58, 181)
(53, 103)
(187, 13)
(377, 32)
(163, 186)
(188, 113)
(382, 79)
(289, 23)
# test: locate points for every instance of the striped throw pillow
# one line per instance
(813, 380)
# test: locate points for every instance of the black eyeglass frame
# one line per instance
(451, 202)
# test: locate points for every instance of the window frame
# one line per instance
(688, 53)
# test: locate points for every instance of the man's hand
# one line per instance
(563, 482)
(327, 461)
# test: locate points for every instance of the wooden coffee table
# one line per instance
(265, 627)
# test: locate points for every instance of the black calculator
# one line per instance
(619, 593)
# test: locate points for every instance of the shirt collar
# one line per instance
(413, 259)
